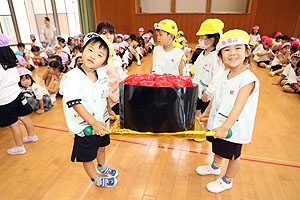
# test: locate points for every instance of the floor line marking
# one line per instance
(184, 150)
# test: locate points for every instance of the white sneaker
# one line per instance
(268, 67)
(199, 140)
(139, 63)
(206, 170)
(218, 186)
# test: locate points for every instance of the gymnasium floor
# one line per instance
(164, 169)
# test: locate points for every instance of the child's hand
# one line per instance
(111, 112)
(221, 132)
(99, 128)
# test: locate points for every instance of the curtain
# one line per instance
(86, 16)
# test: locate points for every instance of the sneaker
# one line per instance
(108, 172)
(30, 139)
(268, 67)
(206, 170)
(199, 140)
(139, 63)
(105, 182)
(17, 150)
(218, 186)
(272, 74)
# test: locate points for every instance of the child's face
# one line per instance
(285, 49)
(44, 44)
(234, 55)
(21, 49)
(79, 60)
(141, 33)
(81, 38)
(119, 40)
(163, 38)
(93, 57)
(255, 31)
(135, 43)
(150, 34)
(32, 38)
(36, 53)
(25, 82)
(267, 46)
(121, 50)
(294, 61)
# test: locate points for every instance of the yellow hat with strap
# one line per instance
(167, 25)
(104, 39)
(233, 37)
(210, 26)
(180, 33)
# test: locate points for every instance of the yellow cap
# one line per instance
(176, 43)
(104, 39)
(167, 25)
(210, 26)
(180, 33)
(233, 37)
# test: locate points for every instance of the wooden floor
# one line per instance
(164, 169)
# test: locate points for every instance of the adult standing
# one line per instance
(49, 32)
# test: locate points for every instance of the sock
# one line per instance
(101, 167)
(226, 179)
(215, 165)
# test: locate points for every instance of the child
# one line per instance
(167, 58)
(85, 92)
(34, 41)
(37, 59)
(124, 54)
(36, 96)
(13, 105)
(208, 67)
(232, 108)
(141, 31)
(254, 37)
(277, 41)
(293, 82)
(148, 45)
(80, 36)
(135, 52)
(281, 59)
(47, 49)
(263, 53)
(71, 44)
(119, 38)
(289, 69)
(150, 32)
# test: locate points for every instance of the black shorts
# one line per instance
(267, 62)
(201, 105)
(224, 148)
(9, 113)
(276, 67)
(85, 148)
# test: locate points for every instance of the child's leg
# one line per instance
(233, 168)
(213, 168)
(90, 169)
(262, 64)
(101, 164)
(17, 133)
(28, 125)
(283, 82)
(287, 88)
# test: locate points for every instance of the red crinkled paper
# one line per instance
(157, 80)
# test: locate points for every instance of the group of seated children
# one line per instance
(281, 56)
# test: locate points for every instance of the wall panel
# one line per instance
(270, 15)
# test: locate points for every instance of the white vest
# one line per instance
(224, 101)
(206, 68)
(166, 62)
(9, 88)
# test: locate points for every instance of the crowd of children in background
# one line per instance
(280, 55)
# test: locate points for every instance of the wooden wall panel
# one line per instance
(270, 15)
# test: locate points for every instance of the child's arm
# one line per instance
(278, 82)
(181, 65)
(99, 127)
(206, 114)
(284, 59)
(242, 97)
(110, 111)
(41, 109)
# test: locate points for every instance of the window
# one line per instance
(6, 24)
(155, 6)
(229, 6)
(190, 6)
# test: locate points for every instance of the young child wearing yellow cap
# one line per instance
(85, 91)
(233, 107)
(208, 67)
(166, 57)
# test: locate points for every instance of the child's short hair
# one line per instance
(150, 31)
(47, 19)
(286, 37)
(141, 41)
(105, 27)
(56, 57)
(62, 40)
(69, 40)
(57, 64)
(35, 48)
(79, 48)
(132, 37)
(27, 76)
(20, 44)
(98, 40)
